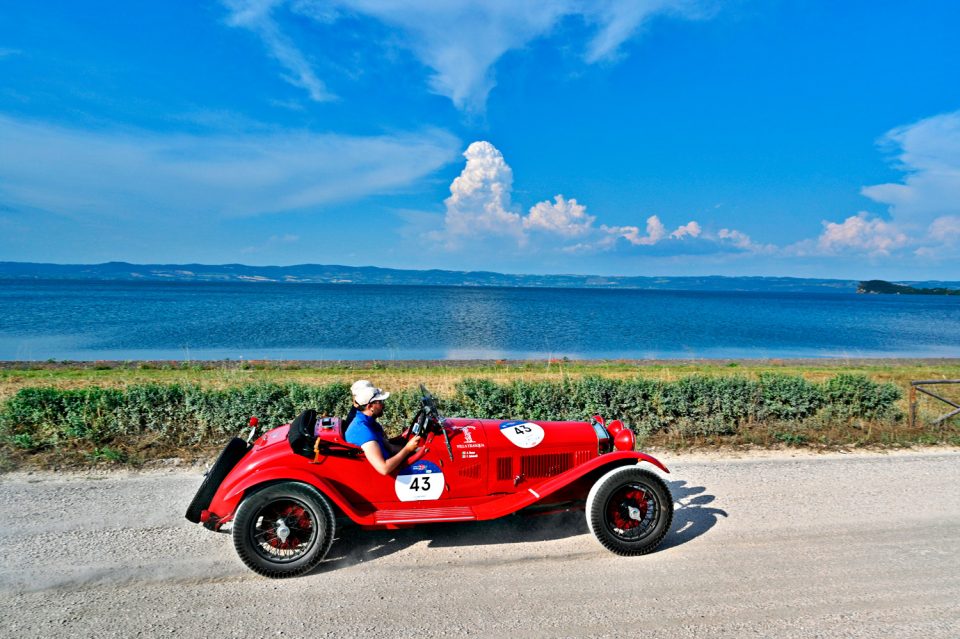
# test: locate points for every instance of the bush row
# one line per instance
(190, 414)
(695, 405)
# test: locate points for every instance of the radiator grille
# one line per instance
(505, 468)
(547, 465)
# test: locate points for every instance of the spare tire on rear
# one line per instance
(232, 453)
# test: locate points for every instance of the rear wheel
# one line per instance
(629, 511)
(283, 530)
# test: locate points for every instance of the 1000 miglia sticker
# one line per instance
(421, 481)
(523, 434)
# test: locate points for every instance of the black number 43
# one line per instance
(521, 429)
(420, 483)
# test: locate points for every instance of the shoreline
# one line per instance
(470, 363)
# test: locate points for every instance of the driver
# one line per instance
(354, 389)
(365, 432)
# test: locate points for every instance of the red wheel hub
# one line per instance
(296, 518)
(619, 510)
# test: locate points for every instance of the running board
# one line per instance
(424, 515)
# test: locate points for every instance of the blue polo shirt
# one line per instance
(365, 429)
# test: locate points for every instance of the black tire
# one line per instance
(629, 511)
(259, 536)
(232, 453)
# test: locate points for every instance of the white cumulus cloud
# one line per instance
(655, 232)
(861, 233)
(946, 229)
(480, 206)
(564, 217)
(479, 202)
(690, 229)
(742, 241)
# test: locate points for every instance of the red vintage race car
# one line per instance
(285, 492)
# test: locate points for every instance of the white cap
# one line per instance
(364, 394)
(360, 383)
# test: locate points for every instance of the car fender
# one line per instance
(598, 465)
(539, 492)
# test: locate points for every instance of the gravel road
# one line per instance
(858, 545)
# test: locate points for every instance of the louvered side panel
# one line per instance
(505, 468)
(471, 471)
(582, 457)
(547, 465)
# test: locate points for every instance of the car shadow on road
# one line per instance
(692, 515)
(692, 518)
(354, 545)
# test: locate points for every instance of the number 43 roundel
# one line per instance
(419, 482)
(523, 434)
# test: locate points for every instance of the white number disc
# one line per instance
(419, 482)
(523, 434)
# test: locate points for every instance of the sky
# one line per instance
(646, 137)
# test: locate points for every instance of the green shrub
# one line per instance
(788, 397)
(857, 396)
(718, 404)
(483, 398)
(25, 441)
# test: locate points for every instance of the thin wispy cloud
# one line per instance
(132, 173)
(257, 16)
(923, 211)
(928, 152)
(620, 20)
(926, 204)
(460, 41)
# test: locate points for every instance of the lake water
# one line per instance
(201, 321)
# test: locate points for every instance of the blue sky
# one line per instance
(652, 137)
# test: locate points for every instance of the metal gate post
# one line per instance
(913, 406)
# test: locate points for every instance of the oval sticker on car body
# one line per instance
(523, 434)
(422, 481)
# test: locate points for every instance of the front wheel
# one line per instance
(283, 530)
(629, 511)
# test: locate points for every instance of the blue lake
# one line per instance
(195, 321)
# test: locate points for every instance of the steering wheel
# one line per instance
(421, 426)
(418, 427)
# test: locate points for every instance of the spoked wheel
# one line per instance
(629, 511)
(283, 530)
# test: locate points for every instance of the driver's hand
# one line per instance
(412, 443)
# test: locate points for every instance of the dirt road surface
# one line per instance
(858, 545)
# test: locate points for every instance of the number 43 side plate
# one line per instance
(422, 481)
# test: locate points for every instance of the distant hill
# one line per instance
(881, 287)
(337, 274)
